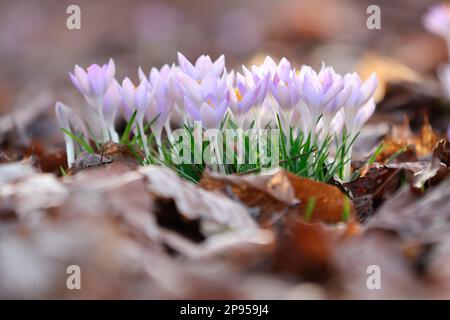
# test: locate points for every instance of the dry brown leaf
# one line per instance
(280, 193)
(304, 249)
(417, 145)
(330, 201)
(194, 202)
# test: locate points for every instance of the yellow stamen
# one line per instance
(238, 94)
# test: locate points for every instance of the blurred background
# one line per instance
(37, 50)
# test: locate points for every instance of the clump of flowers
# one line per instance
(197, 116)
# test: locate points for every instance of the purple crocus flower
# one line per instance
(361, 93)
(282, 83)
(93, 85)
(242, 97)
(357, 110)
(206, 101)
(437, 20)
(71, 122)
(321, 91)
(203, 66)
(364, 113)
(138, 99)
(255, 78)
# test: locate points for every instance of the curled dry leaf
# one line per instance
(369, 191)
(278, 192)
(405, 145)
(194, 202)
(429, 214)
(330, 203)
(270, 196)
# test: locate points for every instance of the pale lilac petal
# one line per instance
(191, 88)
(187, 67)
(110, 72)
(209, 84)
(142, 96)
(96, 79)
(208, 116)
(218, 66)
(364, 113)
(82, 79)
(128, 91)
(62, 115)
(281, 94)
(141, 75)
(192, 109)
(369, 87)
(77, 84)
(204, 65)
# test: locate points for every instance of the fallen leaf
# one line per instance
(278, 193)
(414, 145)
(194, 202)
(369, 191)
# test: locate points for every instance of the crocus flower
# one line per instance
(203, 66)
(206, 101)
(93, 85)
(111, 104)
(255, 78)
(138, 99)
(162, 104)
(357, 110)
(364, 113)
(242, 97)
(282, 85)
(321, 91)
(361, 93)
(70, 122)
(437, 20)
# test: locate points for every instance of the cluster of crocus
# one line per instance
(319, 104)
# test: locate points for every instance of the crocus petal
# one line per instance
(339, 100)
(192, 109)
(82, 79)
(218, 66)
(128, 91)
(209, 84)
(141, 75)
(77, 84)
(281, 94)
(203, 65)
(191, 88)
(187, 67)
(96, 78)
(369, 87)
(110, 72)
(208, 116)
(142, 96)
(364, 114)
